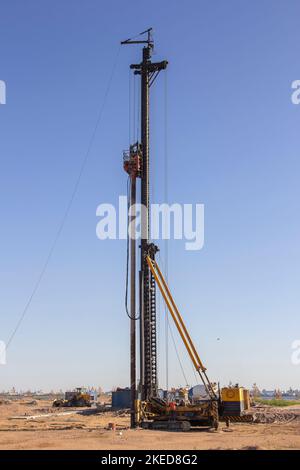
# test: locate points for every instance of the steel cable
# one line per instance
(69, 205)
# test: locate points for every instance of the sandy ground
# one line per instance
(73, 431)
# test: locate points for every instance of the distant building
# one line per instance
(268, 393)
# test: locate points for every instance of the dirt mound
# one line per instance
(5, 402)
(267, 417)
(124, 412)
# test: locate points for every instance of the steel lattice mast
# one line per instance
(148, 72)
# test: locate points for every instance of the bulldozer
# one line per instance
(77, 398)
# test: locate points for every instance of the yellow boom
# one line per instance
(178, 320)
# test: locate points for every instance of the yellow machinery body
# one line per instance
(234, 400)
(77, 398)
(232, 394)
(156, 414)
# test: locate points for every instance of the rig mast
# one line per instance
(137, 163)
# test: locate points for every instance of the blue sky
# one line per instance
(233, 145)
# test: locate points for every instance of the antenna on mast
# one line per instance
(148, 41)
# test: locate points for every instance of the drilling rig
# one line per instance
(147, 409)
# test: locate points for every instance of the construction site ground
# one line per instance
(277, 428)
